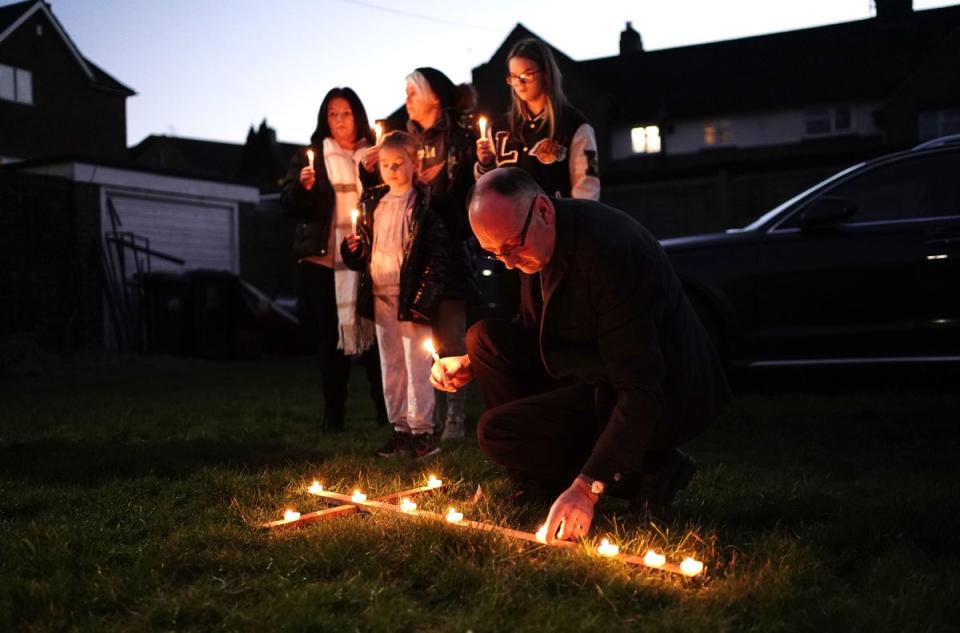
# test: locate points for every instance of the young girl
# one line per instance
(542, 134)
(408, 263)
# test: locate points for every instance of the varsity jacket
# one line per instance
(566, 167)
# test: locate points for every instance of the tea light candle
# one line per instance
(606, 548)
(691, 567)
(407, 506)
(315, 488)
(433, 482)
(453, 516)
(653, 559)
(358, 497)
(291, 515)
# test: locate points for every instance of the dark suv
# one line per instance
(862, 267)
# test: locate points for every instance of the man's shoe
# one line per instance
(659, 489)
(398, 444)
(452, 430)
(424, 445)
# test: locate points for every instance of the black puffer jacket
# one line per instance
(313, 208)
(434, 267)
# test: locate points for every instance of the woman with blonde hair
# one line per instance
(542, 134)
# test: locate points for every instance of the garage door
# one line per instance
(202, 233)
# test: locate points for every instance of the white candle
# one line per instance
(354, 214)
(653, 559)
(358, 497)
(315, 488)
(542, 533)
(691, 567)
(453, 516)
(433, 482)
(310, 157)
(606, 548)
(291, 515)
(428, 345)
(482, 122)
(407, 506)
(378, 132)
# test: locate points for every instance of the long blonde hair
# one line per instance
(539, 53)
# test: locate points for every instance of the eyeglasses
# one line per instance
(523, 78)
(507, 250)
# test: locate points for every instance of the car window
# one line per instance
(924, 187)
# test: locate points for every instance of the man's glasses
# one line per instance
(507, 250)
(522, 78)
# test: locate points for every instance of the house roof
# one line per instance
(12, 16)
(853, 61)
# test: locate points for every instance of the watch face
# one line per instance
(597, 487)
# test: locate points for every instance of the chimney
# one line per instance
(892, 10)
(630, 41)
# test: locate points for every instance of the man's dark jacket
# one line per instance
(614, 314)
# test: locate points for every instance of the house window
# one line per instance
(16, 84)
(935, 123)
(828, 121)
(717, 133)
(645, 139)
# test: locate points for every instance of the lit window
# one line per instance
(645, 139)
(16, 84)
(718, 133)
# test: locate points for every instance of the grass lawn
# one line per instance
(130, 488)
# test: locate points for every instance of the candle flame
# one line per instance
(428, 345)
(433, 482)
(378, 131)
(653, 559)
(310, 157)
(407, 506)
(290, 515)
(691, 567)
(606, 548)
(482, 122)
(358, 496)
(453, 516)
(315, 488)
(542, 533)
(354, 214)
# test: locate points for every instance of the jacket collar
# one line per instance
(556, 270)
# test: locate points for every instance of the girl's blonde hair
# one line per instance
(400, 140)
(539, 53)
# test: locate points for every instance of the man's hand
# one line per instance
(308, 177)
(451, 373)
(571, 513)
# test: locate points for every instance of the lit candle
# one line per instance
(310, 157)
(482, 122)
(453, 516)
(378, 132)
(291, 515)
(433, 482)
(354, 214)
(691, 567)
(428, 345)
(315, 488)
(652, 559)
(407, 506)
(606, 548)
(542, 533)
(358, 497)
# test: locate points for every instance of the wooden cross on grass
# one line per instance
(400, 503)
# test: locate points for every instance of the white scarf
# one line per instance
(356, 333)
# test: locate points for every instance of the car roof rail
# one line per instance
(949, 139)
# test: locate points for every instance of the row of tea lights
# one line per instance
(689, 566)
